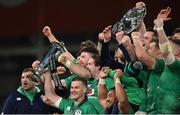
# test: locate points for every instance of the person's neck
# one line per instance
(96, 75)
(30, 90)
(78, 101)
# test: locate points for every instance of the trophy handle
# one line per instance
(48, 62)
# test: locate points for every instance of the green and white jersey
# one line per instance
(93, 86)
(131, 88)
(150, 79)
(143, 76)
(168, 91)
(153, 82)
(69, 80)
(92, 91)
(69, 107)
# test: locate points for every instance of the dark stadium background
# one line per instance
(21, 23)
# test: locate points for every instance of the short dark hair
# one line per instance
(91, 50)
(97, 60)
(155, 35)
(80, 79)
(87, 43)
(28, 69)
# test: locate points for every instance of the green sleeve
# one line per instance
(129, 81)
(75, 61)
(91, 110)
(69, 80)
(132, 90)
(144, 76)
(159, 65)
(109, 83)
(111, 73)
(175, 66)
(64, 104)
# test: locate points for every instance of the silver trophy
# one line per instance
(49, 63)
(130, 21)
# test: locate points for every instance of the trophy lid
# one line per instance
(130, 21)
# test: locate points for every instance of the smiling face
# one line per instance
(78, 90)
(25, 82)
(111, 98)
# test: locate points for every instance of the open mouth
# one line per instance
(25, 84)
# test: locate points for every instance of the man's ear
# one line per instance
(84, 90)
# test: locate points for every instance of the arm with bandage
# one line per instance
(164, 44)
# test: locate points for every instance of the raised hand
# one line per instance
(118, 74)
(47, 100)
(107, 34)
(62, 58)
(61, 70)
(164, 13)
(158, 23)
(126, 41)
(47, 31)
(135, 35)
(100, 37)
(104, 72)
(119, 36)
(140, 4)
(35, 64)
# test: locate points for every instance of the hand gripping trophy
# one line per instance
(131, 20)
(49, 60)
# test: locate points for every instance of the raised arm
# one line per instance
(119, 38)
(102, 90)
(141, 54)
(120, 93)
(50, 95)
(142, 26)
(47, 32)
(74, 68)
(164, 44)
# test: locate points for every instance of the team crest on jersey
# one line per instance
(91, 92)
(78, 112)
(68, 108)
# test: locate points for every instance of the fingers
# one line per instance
(104, 72)
(119, 36)
(135, 35)
(158, 23)
(126, 41)
(140, 4)
(107, 29)
(168, 10)
(46, 31)
(35, 64)
(61, 69)
(105, 69)
(101, 36)
(118, 73)
(62, 58)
